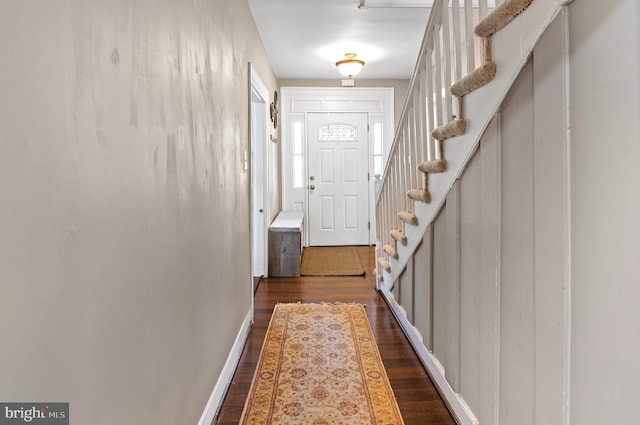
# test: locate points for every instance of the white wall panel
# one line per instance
(479, 189)
(446, 288)
(369, 105)
(337, 105)
(470, 286)
(407, 290)
(439, 285)
(423, 306)
(517, 312)
(396, 290)
(550, 211)
(489, 276)
(298, 105)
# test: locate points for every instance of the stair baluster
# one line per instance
(428, 118)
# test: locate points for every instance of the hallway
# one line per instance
(417, 398)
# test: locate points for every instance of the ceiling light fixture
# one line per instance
(350, 66)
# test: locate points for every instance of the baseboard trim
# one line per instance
(457, 406)
(224, 380)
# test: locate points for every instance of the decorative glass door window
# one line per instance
(337, 133)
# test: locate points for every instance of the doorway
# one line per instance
(299, 107)
(259, 139)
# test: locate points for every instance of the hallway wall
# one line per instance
(124, 237)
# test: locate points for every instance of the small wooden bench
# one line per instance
(285, 244)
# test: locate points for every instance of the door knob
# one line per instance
(312, 187)
(312, 178)
(260, 210)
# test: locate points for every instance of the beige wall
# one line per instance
(400, 88)
(124, 240)
(605, 211)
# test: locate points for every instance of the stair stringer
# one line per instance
(512, 47)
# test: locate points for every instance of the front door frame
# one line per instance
(297, 103)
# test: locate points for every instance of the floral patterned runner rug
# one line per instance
(320, 365)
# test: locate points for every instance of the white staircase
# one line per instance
(470, 56)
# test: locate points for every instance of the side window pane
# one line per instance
(377, 165)
(298, 154)
(377, 138)
(297, 138)
(298, 180)
(378, 151)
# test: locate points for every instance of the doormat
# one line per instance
(320, 365)
(331, 261)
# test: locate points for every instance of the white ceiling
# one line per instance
(304, 38)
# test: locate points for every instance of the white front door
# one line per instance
(337, 186)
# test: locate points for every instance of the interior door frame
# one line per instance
(297, 103)
(259, 131)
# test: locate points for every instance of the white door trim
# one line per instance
(297, 102)
(259, 125)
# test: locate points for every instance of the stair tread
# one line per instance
(408, 217)
(399, 236)
(434, 166)
(451, 129)
(474, 80)
(500, 16)
(422, 195)
(391, 250)
(384, 264)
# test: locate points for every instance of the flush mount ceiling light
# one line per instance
(350, 66)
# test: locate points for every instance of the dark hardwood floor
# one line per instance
(419, 402)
